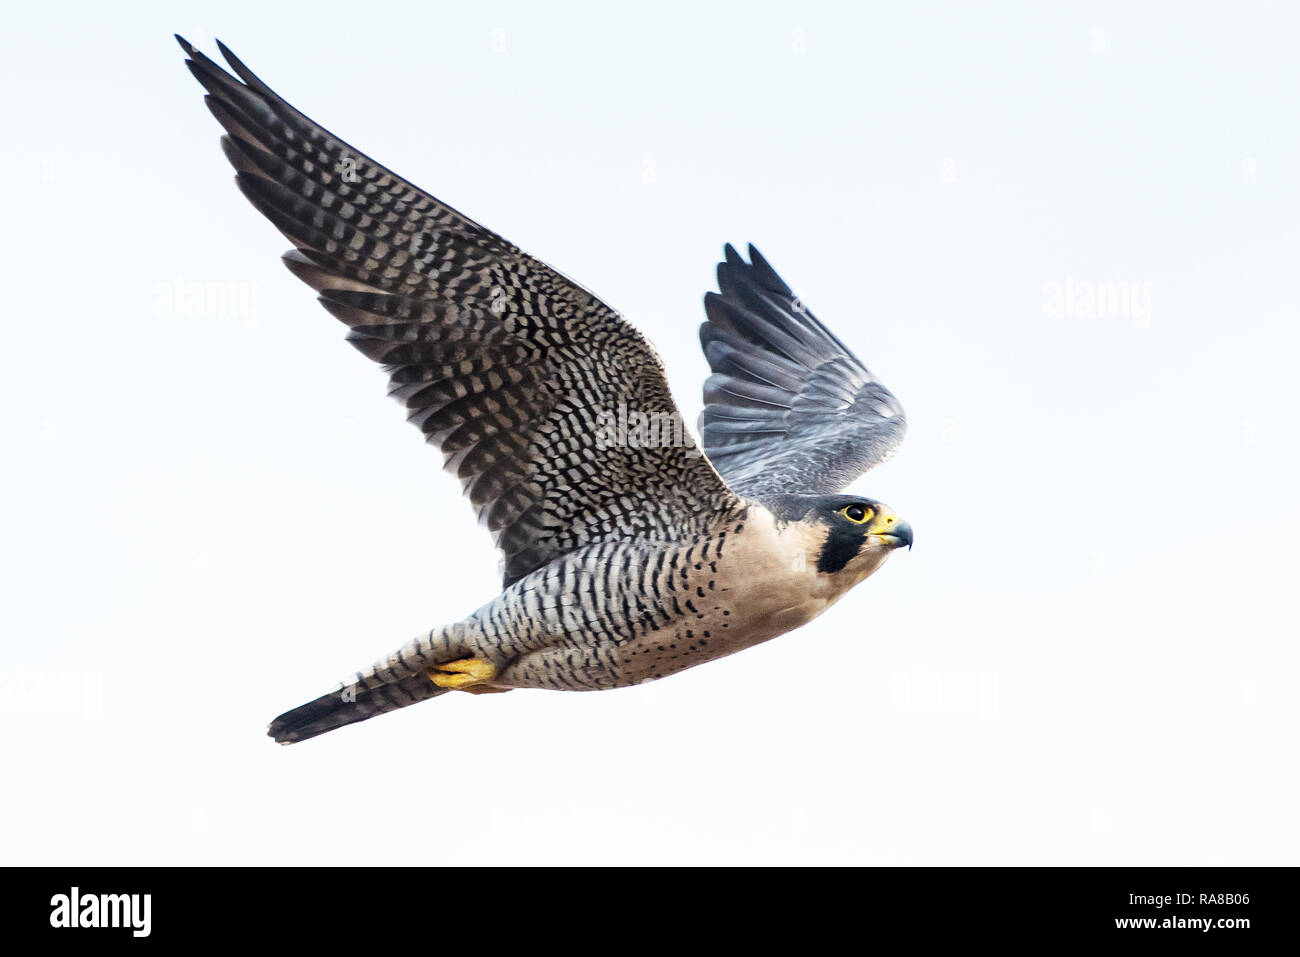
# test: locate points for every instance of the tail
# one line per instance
(390, 683)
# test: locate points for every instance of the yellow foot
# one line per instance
(463, 674)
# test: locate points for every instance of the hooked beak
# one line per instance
(891, 530)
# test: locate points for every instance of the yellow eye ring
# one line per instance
(857, 514)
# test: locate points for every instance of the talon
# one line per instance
(462, 674)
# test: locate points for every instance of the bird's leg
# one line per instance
(462, 674)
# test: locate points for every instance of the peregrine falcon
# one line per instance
(629, 553)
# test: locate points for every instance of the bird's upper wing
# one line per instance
(511, 369)
(788, 408)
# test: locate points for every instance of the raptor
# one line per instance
(622, 561)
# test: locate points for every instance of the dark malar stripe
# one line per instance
(842, 544)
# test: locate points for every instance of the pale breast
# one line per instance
(656, 610)
(763, 584)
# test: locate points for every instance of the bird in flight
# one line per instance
(629, 553)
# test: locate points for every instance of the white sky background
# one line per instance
(207, 518)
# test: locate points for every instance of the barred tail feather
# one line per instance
(391, 683)
(335, 710)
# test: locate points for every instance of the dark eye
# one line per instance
(857, 514)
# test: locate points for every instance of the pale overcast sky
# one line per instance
(1065, 235)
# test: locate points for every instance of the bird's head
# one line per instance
(849, 536)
